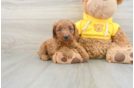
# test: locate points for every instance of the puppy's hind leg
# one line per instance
(43, 52)
(44, 57)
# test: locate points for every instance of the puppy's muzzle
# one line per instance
(66, 36)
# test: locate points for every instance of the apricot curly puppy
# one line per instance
(63, 47)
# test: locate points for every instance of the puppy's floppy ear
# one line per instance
(119, 2)
(54, 29)
(76, 34)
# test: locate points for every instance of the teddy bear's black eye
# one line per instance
(70, 29)
(59, 30)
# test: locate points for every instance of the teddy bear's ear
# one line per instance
(119, 1)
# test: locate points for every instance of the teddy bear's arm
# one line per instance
(121, 39)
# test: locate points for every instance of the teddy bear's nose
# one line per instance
(66, 36)
(104, 0)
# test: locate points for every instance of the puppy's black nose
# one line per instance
(66, 36)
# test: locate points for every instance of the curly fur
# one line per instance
(99, 48)
(119, 2)
(59, 44)
(121, 39)
(96, 48)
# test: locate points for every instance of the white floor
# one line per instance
(29, 71)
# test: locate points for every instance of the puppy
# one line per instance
(63, 47)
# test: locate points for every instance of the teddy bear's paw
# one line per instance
(65, 60)
(108, 60)
(123, 56)
(76, 60)
(119, 57)
(60, 58)
(72, 60)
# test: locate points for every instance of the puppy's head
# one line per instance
(64, 30)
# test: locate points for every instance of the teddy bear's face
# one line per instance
(102, 9)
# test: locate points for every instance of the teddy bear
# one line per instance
(100, 36)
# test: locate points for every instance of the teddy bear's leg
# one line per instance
(118, 54)
(120, 50)
(59, 57)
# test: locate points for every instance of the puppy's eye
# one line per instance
(70, 29)
(59, 30)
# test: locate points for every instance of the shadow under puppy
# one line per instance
(63, 47)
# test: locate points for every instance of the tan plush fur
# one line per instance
(120, 44)
(102, 9)
(119, 1)
(121, 39)
(63, 46)
(117, 50)
(85, 5)
(96, 48)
